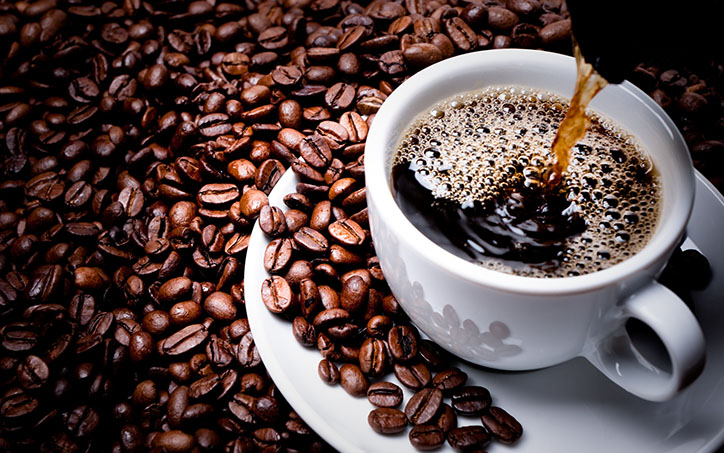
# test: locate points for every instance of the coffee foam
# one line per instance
(472, 146)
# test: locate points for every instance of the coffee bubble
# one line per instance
(481, 147)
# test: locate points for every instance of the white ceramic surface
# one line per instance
(510, 322)
(566, 408)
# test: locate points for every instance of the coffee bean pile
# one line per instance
(692, 95)
(138, 143)
(326, 279)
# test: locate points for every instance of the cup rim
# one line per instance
(380, 196)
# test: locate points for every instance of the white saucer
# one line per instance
(567, 408)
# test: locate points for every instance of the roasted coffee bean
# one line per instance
(221, 353)
(449, 380)
(276, 294)
(266, 408)
(33, 372)
(247, 354)
(287, 75)
(339, 96)
(140, 346)
(321, 215)
(272, 221)
(273, 38)
(304, 332)
(298, 271)
(555, 32)
(384, 394)
(82, 308)
(240, 406)
(251, 203)
(426, 437)
(328, 297)
(220, 306)
(335, 134)
(266, 438)
(156, 322)
(184, 340)
(311, 240)
(330, 317)
(328, 372)
(392, 63)
(414, 376)
(309, 299)
(386, 420)
(446, 419)
(468, 438)
(474, 14)
(470, 400)
(203, 387)
(256, 95)
(347, 232)
(218, 194)
(242, 170)
(235, 63)
(307, 173)
(173, 440)
(423, 406)
(277, 255)
(290, 113)
(268, 174)
(237, 244)
(352, 380)
(501, 425)
(315, 151)
(402, 343)
(373, 360)
(378, 326)
(355, 292)
(501, 19)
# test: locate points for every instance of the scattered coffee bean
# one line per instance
(423, 406)
(501, 425)
(384, 394)
(352, 380)
(449, 380)
(470, 400)
(386, 420)
(426, 437)
(468, 438)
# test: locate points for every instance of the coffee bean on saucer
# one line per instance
(501, 425)
(468, 438)
(426, 437)
(470, 400)
(414, 377)
(352, 380)
(384, 394)
(328, 371)
(423, 406)
(386, 420)
(449, 380)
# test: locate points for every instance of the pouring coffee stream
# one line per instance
(574, 125)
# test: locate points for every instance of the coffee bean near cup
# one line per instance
(498, 315)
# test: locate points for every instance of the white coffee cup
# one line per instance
(510, 322)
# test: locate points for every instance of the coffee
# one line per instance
(469, 173)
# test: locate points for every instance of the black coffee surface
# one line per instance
(468, 175)
(523, 225)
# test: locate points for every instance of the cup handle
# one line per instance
(666, 314)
